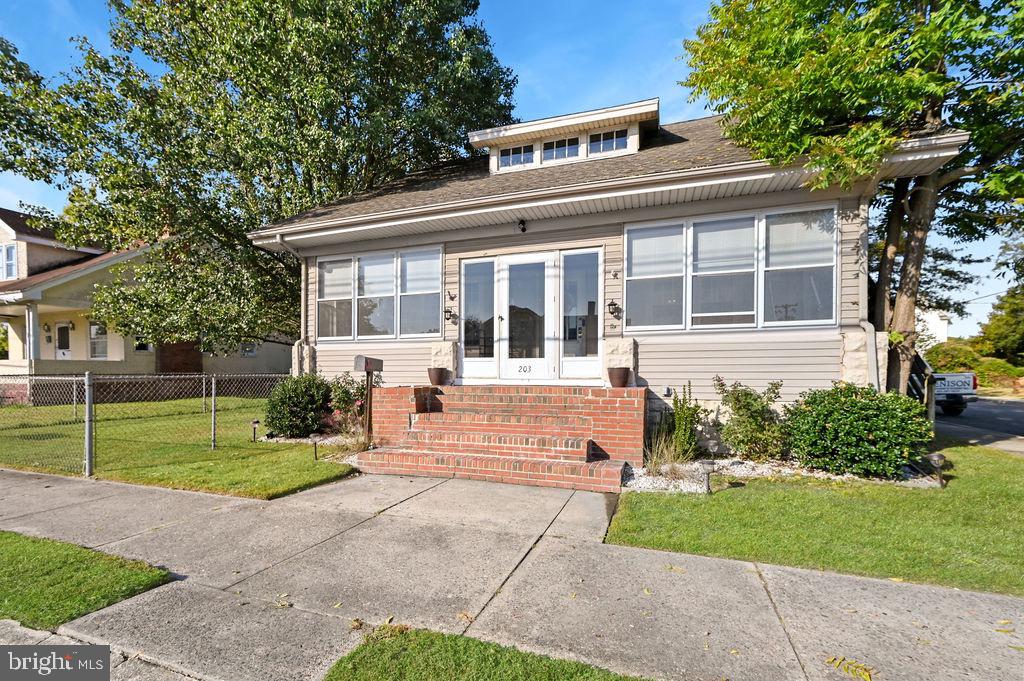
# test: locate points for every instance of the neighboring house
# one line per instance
(45, 297)
(932, 327)
(580, 243)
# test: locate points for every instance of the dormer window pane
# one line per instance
(612, 140)
(516, 156)
(567, 148)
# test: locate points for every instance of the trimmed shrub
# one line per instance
(997, 373)
(754, 429)
(298, 405)
(952, 357)
(854, 429)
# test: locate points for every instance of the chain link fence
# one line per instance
(132, 422)
(42, 422)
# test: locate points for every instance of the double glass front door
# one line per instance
(531, 317)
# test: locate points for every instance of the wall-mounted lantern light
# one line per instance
(614, 309)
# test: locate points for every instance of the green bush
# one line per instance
(298, 405)
(997, 373)
(687, 416)
(952, 357)
(853, 429)
(754, 429)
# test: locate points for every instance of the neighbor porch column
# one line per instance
(32, 332)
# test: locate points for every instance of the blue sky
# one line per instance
(570, 55)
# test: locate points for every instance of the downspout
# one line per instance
(862, 292)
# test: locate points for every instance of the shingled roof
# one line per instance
(19, 223)
(674, 146)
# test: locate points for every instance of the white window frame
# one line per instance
(534, 157)
(316, 312)
(629, 128)
(626, 278)
(760, 248)
(400, 295)
(581, 153)
(691, 273)
(396, 279)
(106, 340)
(764, 269)
(580, 367)
(8, 256)
(478, 367)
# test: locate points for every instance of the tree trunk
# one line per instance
(887, 259)
(921, 212)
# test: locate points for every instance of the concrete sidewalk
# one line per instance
(269, 589)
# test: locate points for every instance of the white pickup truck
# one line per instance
(954, 391)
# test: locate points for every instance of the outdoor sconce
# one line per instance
(522, 226)
(255, 424)
(46, 328)
(614, 309)
(449, 315)
(707, 467)
(71, 325)
(937, 460)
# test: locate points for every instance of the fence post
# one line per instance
(204, 393)
(213, 411)
(89, 453)
(74, 398)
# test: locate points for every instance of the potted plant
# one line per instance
(618, 376)
(438, 375)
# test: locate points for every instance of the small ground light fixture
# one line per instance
(255, 423)
(707, 467)
(937, 460)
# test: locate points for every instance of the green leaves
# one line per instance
(213, 119)
(855, 429)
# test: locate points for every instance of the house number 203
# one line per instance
(525, 368)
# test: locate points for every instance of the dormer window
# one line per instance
(572, 138)
(516, 156)
(613, 140)
(564, 148)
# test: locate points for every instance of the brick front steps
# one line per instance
(552, 436)
(594, 476)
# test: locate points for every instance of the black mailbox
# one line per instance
(363, 363)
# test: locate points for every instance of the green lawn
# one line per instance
(45, 583)
(968, 535)
(392, 653)
(165, 443)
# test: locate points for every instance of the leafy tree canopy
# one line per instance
(839, 85)
(1004, 330)
(211, 119)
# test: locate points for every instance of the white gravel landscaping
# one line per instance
(687, 477)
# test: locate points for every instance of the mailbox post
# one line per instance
(368, 365)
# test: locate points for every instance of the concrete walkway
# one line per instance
(269, 589)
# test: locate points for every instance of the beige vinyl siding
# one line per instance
(800, 359)
(405, 362)
(852, 263)
(607, 236)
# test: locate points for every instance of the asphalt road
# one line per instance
(991, 414)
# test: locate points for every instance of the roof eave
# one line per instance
(918, 155)
(647, 109)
